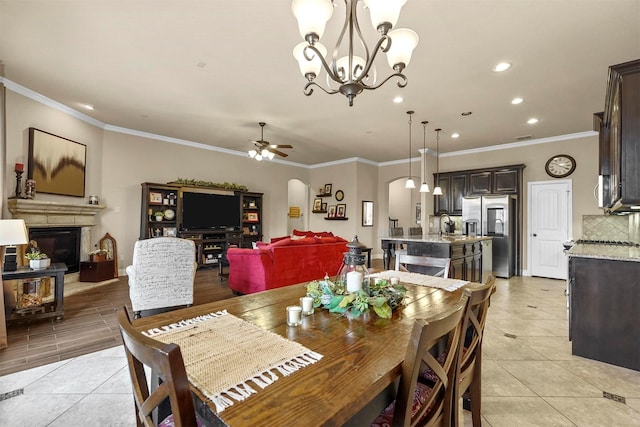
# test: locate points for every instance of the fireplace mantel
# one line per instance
(38, 213)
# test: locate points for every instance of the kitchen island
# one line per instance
(466, 252)
(604, 297)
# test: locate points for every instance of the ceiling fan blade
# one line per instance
(281, 146)
(279, 153)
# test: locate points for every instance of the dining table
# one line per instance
(361, 357)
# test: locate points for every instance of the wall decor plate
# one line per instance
(339, 195)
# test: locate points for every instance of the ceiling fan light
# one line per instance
(258, 157)
(437, 191)
(271, 155)
(252, 153)
(265, 152)
(403, 41)
(409, 184)
(424, 188)
(309, 67)
(384, 13)
(312, 16)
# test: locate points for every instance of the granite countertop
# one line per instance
(434, 238)
(617, 253)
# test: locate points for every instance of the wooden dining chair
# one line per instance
(469, 372)
(165, 360)
(433, 266)
(417, 403)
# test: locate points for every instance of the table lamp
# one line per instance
(12, 232)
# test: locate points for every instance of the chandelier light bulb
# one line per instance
(403, 42)
(384, 13)
(309, 68)
(437, 191)
(312, 16)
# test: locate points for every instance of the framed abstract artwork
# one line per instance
(57, 164)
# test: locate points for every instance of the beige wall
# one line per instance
(118, 163)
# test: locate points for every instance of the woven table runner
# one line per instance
(449, 285)
(224, 355)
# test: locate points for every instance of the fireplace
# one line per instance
(53, 217)
(61, 244)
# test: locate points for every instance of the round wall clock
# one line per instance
(339, 195)
(560, 166)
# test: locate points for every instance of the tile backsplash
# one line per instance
(611, 227)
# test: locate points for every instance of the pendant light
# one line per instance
(437, 191)
(410, 184)
(424, 188)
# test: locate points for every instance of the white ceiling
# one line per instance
(209, 71)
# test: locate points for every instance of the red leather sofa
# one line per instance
(284, 262)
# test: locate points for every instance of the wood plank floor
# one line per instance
(89, 324)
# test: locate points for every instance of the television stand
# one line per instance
(212, 245)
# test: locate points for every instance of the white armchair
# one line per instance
(162, 273)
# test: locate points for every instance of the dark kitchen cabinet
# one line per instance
(505, 181)
(604, 320)
(620, 138)
(454, 188)
(480, 183)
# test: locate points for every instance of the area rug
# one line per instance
(73, 288)
(223, 354)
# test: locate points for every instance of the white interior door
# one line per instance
(549, 226)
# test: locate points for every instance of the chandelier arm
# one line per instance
(356, 24)
(401, 83)
(369, 60)
(333, 70)
(326, 66)
(308, 90)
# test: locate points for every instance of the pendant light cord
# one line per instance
(438, 156)
(424, 148)
(410, 113)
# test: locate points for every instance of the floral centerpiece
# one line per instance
(381, 296)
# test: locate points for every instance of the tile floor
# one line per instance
(530, 377)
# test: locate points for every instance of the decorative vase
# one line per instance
(39, 264)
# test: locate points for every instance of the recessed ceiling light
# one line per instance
(533, 121)
(455, 135)
(466, 113)
(501, 67)
(87, 106)
(398, 99)
(516, 101)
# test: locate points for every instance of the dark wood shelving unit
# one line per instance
(337, 219)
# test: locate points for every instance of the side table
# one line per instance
(49, 309)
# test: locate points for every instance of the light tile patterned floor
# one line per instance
(530, 377)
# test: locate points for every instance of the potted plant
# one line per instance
(37, 260)
(159, 215)
(98, 255)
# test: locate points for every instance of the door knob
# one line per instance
(535, 235)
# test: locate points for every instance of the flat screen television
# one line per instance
(202, 211)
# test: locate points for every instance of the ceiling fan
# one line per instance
(264, 149)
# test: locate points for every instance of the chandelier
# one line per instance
(352, 73)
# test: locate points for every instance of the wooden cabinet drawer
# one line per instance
(96, 271)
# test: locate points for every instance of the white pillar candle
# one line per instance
(294, 315)
(354, 281)
(307, 305)
(395, 281)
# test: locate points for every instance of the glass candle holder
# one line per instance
(307, 305)
(294, 315)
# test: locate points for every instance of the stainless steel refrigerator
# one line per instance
(493, 216)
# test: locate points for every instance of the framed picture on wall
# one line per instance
(332, 211)
(367, 213)
(327, 189)
(57, 164)
(341, 210)
(324, 206)
(317, 204)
